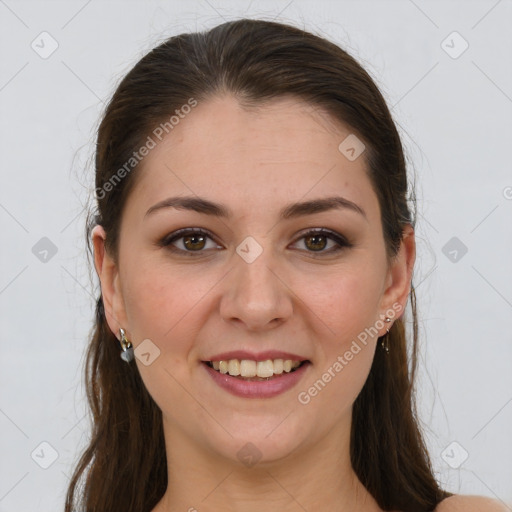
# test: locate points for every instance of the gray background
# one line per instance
(455, 114)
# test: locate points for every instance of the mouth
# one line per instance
(248, 378)
(254, 371)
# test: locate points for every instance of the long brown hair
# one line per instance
(124, 465)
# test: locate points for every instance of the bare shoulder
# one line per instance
(461, 503)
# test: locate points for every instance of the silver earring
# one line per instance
(127, 347)
(384, 341)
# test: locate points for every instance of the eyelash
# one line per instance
(182, 233)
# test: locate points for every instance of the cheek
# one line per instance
(349, 306)
(331, 392)
(160, 306)
(345, 356)
(160, 303)
(347, 302)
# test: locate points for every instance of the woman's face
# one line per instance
(255, 280)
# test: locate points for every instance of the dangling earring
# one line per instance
(127, 353)
(384, 341)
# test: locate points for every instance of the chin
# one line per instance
(269, 441)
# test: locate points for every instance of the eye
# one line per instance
(194, 241)
(316, 240)
(191, 241)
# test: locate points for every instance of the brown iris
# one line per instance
(190, 241)
(319, 242)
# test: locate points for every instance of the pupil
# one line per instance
(317, 245)
(193, 237)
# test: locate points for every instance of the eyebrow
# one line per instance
(207, 207)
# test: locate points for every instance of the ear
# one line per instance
(108, 274)
(398, 281)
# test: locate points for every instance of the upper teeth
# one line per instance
(249, 368)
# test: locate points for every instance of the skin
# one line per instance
(256, 161)
(290, 298)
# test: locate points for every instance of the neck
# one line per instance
(319, 477)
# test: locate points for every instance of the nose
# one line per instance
(256, 294)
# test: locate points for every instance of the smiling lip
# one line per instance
(260, 356)
(257, 389)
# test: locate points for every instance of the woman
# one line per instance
(255, 248)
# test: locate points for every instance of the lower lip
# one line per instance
(257, 389)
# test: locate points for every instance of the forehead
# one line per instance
(270, 154)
